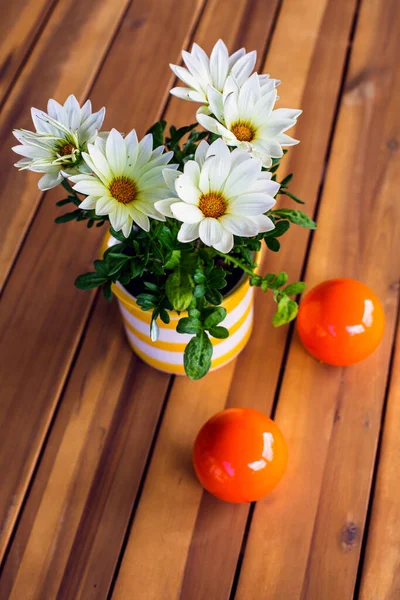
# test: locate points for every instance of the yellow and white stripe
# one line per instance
(166, 354)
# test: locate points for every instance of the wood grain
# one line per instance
(321, 58)
(305, 540)
(71, 582)
(61, 63)
(208, 553)
(83, 471)
(21, 22)
(380, 574)
(43, 315)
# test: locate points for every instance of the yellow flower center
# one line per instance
(123, 189)
(67, 149)
(243, 132)
(212, 205)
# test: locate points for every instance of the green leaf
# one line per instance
(199, 277)
(215, 317)
(220, 333)
(68, 217)
(194, 312)
(295, 216)
(157, 130)
(189, 261)
(286, 311)
(214, 297)
(63, 202)
(107, 291)
(164, 316)
(116, 265)
(295, 288)
(286, 180)
(179, 289)
(217, 279)
(280, 228)
(292, 196)
(199, 290)
(280, 280)
(88, 281)
(273, 244)
(174, 260)
(255, 280)
(150, 286)
(118, 235)
(66, 185)
(197, 356)
(189, 325)
(101, 268)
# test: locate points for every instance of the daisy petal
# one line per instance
(186, 212)
(188, 232)
(49, 180)
(139, 218)
(183, 93)
(264, 223)
(225, 244)
(89, 203)
(216, 102)
(187, 189)
(241, 178)
(118, 216)
(164, 206)
(170, 177)
(243, 68)
(127, 227)
(210, 231)
(201, 152)
(250, 204)
(243, 226)
(105, 205)
(116, 152)
(90, 187)
(219, 64)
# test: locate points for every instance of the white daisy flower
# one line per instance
(62, 134)
(244, 117)
(203, 71)
(126, 180)
(219, 194)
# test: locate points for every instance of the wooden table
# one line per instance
(98, 498)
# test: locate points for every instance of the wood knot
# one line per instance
(337, 417)
(349, 537)
(392, 144)
(395, 286)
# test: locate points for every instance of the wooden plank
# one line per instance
(305, 540)
(379, 577)
(62, 62)
(84, 568)
(43, 315)
(105, 402)
(203, 550)
(21, 22)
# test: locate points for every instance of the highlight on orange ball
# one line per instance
(341, 321)
(240, 455)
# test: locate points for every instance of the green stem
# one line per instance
(236, 262)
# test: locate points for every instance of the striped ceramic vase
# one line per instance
(166, 354)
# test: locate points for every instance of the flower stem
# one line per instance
(236, 262)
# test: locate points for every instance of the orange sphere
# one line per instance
(341, 321)
(240, 455)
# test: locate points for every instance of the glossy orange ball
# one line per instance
(240, 455)
(341, 321)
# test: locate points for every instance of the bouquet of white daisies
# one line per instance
(188, 210)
